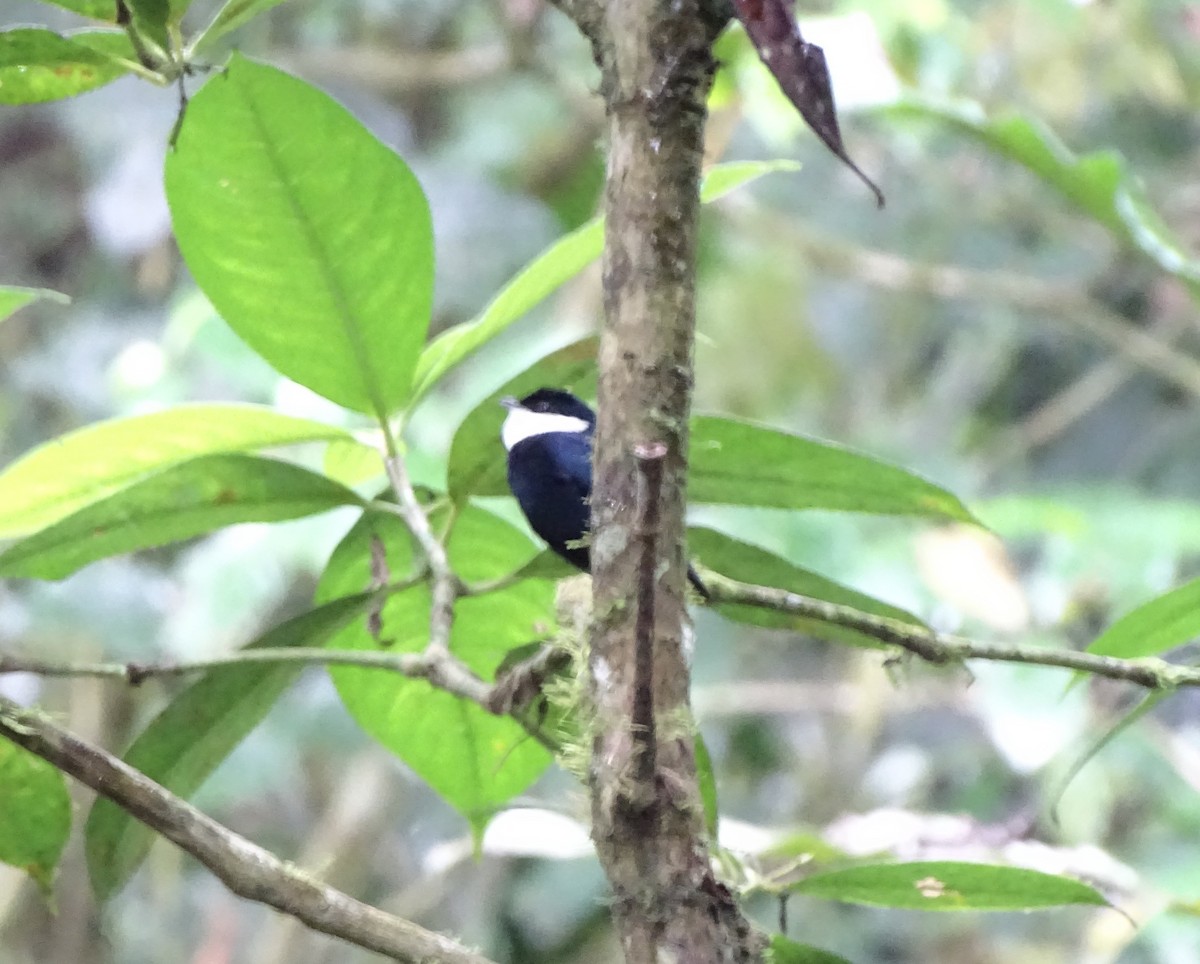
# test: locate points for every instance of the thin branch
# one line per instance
(944, 649)
(445, 673)
(437, 667)
(446, 585)
(245, 868)
(649, 458)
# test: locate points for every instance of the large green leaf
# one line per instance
(739, 463)
(182, 501)
(747, 563)
(83, 467)
(198, 729)
(786, 951)
(561, 261)
(475, 760)
(947, 885)
(308, 235)
(13, 298)
(231, 16)
(39, 65)
(1163, 623)
(1099, 183)
(36, 813)
(477, 457)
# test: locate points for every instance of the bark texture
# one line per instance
(656, 69)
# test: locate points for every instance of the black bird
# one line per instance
(548, 435)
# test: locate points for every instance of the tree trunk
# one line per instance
(656, 67)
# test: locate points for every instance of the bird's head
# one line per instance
(544, 411)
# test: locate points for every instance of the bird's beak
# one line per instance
(510, 403)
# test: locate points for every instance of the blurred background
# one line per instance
(955, 333)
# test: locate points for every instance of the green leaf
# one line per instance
(474, 760)
(198, 729)
(38, 65)
(310, 237)
(105, 10)
(150, 20)
(748, 563)
(722, 179)
(13, 299)
(231, 16)
(545, 565)
(1099, 183)
(1154, 627)
(183, 501)
(739, 463)
(477, 464)
(786, 951)
(350, 461)
(564, 259)
(113, 44)
(947, 885)
(37, 813)
(84, 466)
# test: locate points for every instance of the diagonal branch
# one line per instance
(245, 868)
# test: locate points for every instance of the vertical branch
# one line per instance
(446, 587)
(656, 67)
(645, 737)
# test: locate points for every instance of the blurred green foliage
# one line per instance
(1025, 341)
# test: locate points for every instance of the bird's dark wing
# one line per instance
(551, 476)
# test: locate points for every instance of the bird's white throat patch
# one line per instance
(521, 424)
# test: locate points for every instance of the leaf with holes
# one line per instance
(948, 885)
(38, 65)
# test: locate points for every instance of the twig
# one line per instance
(245, 868)
(943, 649)
(445, 673)
(650, 457)
(446, 586)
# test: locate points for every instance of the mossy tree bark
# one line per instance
(656, 64)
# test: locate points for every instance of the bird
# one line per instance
(548, 437)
